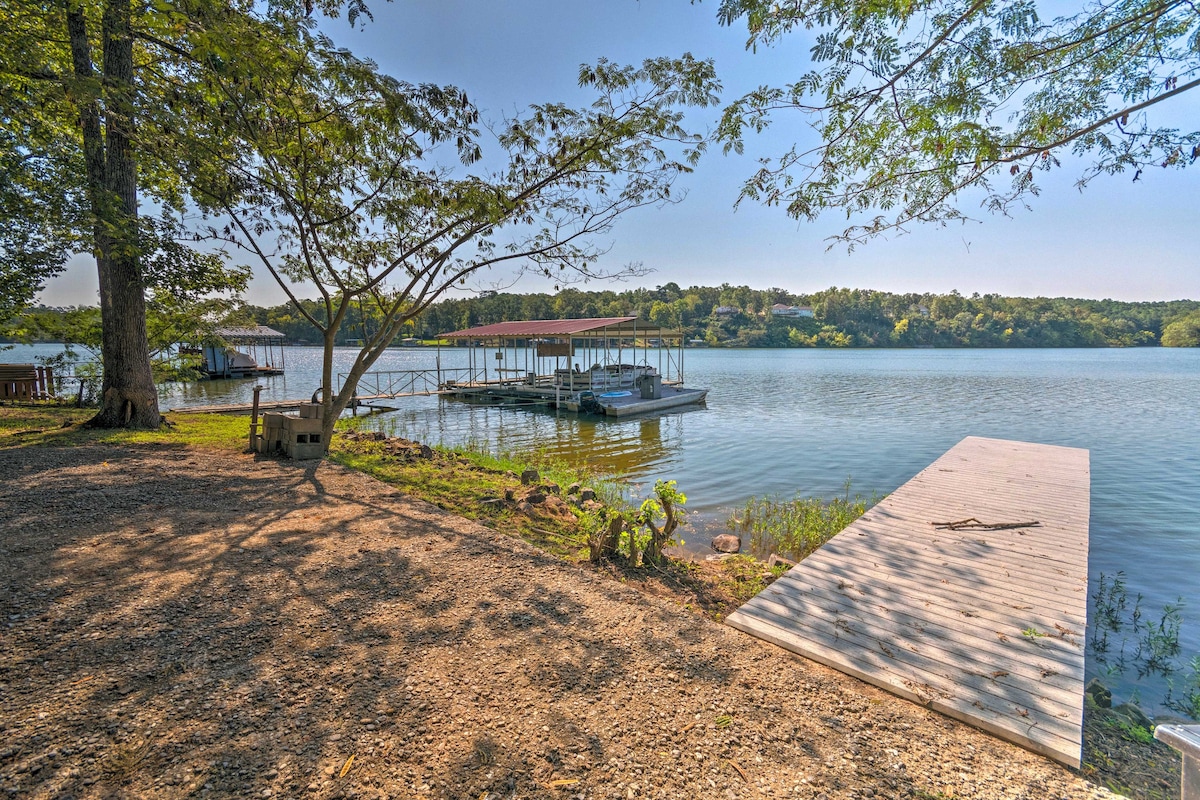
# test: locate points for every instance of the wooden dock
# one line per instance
(241, 408)
(984, 625)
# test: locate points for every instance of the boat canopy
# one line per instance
(602, 342)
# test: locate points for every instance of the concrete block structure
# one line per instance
(294, 436)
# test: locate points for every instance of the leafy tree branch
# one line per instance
(913, 104)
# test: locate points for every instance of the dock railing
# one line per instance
(1185, 739)
(412, 382)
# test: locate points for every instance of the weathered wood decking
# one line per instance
(983, 625)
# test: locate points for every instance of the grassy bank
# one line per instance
(62, 426)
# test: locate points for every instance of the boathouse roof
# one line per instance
(600, 326)
(252, 332)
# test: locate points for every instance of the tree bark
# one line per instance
(128, 395)
(329, 402)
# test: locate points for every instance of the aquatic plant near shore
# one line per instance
(1156, 644)
(1123, 639)
(797, 527)
(638, 533)
(1187, 701)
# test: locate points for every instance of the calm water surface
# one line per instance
(788, 421)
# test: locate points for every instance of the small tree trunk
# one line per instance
(602, 544)
(336, 404)
(329, 409)
(609, 548)
(653, 551)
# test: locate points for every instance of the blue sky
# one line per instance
(1118, 239)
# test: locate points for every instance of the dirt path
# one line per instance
(178, 623)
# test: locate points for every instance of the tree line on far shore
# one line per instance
(738, 316)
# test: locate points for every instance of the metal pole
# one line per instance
(254, 419)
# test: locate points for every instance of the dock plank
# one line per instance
(937, 616)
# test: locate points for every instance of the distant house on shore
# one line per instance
(781, 310)
(726, 311)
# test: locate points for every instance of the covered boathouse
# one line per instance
(615, 366)
(248, 352)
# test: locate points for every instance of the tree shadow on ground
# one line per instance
(183, 623)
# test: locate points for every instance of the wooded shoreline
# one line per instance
(738, 316)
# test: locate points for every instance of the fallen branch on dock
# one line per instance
(973, 524)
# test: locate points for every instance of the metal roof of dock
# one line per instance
(252, 332)
(558, 327)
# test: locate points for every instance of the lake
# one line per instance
(788, 421)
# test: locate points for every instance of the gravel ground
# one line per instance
(180, 623)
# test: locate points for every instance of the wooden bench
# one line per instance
(26, 382)
(1185, 739)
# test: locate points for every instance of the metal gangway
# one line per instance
(394, 384)
(372, 388)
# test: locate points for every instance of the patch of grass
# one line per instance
(744, 576)
(61, 426)
(797, 527)
(460, 480)
(29, 420)
(1127, 730)
(1118, 752)
(125, 758)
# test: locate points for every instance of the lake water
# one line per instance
(788, 421)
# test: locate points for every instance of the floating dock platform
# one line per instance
(240, 408)
(619, 403)
(965, 590)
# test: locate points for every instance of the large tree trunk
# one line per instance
(128, 395)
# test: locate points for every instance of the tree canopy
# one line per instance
(82, 86)
(913, 104)
(1183, 331)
